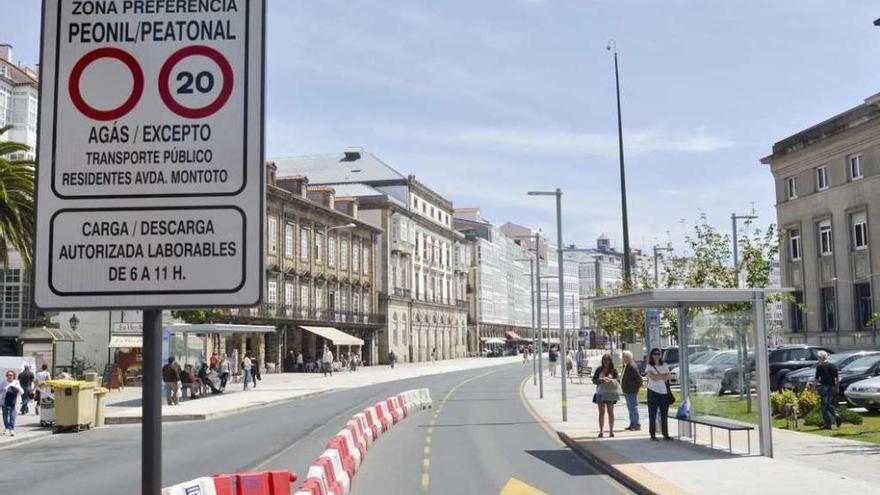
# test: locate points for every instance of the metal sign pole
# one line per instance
(151, 429)
(538, 316)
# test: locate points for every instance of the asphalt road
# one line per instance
(482, 437)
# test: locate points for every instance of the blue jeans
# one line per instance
(829, 412)
(632, 406)
(9, 417)
(658, 403)
(25, 400)
(247, 378)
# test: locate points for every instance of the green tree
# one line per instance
(17, 214)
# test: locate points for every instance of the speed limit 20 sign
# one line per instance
(150, 155)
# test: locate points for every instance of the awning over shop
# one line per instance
(492, 340)
(513, 335)
(48, 334)
(126, 341)
(338, 337)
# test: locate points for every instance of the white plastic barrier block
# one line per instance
(198, 486)
(365, 426)
(382, 409)
(338, 470)
(352, 448)
(318, 473)
(373, 417)
(360, 434)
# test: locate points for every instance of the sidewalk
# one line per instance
(803, 463)
(125, 406)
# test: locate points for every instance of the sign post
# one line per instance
(150, 184)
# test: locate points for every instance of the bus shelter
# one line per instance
(752, 324)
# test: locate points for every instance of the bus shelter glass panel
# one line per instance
(720, 360)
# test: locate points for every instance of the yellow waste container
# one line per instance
(74, 404)
(100, 406)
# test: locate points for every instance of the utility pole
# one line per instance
(627, 268)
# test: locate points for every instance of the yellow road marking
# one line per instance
(517, 487)
(426, 464)
(426, 482)
(427, 450)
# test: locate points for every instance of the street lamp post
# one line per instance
(532, 301)
(733, 218)
(74, 324)
(561, 264)
(627, 269)
(744, 389)
(657, 249)
(536, 238)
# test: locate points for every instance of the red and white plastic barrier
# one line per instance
(333, 471)
(258, 483)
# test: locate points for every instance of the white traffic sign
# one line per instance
(150, 179)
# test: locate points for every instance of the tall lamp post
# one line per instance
(743, 353)
(560, 263)
(536, 238)
(627, 269)
(74, 324)
(532, 301)
(733, 219)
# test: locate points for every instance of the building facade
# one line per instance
(499, 278)
(19, 101)
(827, 182)
(422, 278)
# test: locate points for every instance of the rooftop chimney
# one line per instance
(352, 154)
(6, 52)
(295, 184)
(322, 194)
(347, 205)
(271, 170)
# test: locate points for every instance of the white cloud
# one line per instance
(566, 143)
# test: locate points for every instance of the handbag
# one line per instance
(669, 393)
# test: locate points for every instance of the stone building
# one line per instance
(19, 101)
(320, 272)
(827, 196)
(422, 275)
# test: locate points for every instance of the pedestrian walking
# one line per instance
(64, 375)
(433, 355)
(827, 381)
(525, 353)
(300, 363)
(171, 377)
(10, 391)
(607, 393)
(223, 367)
(658, 394)
(630, 383)
(255, 370)
(26, 380)
(327, 361)
(580, 358)
(552, 357)
(246, 370)
(214, 360)
(42, 376)
(391, 358)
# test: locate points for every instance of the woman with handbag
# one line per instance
(659, 394)
(607, 394)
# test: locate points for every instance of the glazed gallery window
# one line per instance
(288, 298)
(272, 294)
(289, 229)
(825, 238)
(304, 299)
(331, 252)
(343, 254)
(273, 234)
(860, 230)
(355, 255)
(319, 246)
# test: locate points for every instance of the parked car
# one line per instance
(802, 378)
(785, 359)
(858, 370)
(694, 359)
(723, 368)
(865, 393)
(671, 354)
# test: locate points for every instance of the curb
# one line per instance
(646, 484)
(125, 420)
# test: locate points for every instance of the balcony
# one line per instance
(280, 313)
(401, 292)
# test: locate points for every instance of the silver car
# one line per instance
(865, 393)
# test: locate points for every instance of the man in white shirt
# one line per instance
(42, 391)
(327, 361)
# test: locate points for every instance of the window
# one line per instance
(794, 245)
(800, 355)
(366, 269)
(822, 178)
(304, 244)
(272, 294)
(797, 313)
(791, 187)
(829, 309)
(288, 240)
(319, 246)
(825, 239)
(304, 300)
(355, 256)
(855, 167)
(860, 230)
(864, 305)
(319, 298)
(288, 298)
(343, 254)
(331, 252)
(273, 234)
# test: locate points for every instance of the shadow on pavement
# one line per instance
(641, 450)
(563, 460)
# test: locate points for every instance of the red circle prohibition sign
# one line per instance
(165, 80)
(114, 113)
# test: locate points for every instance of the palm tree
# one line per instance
(17, 213)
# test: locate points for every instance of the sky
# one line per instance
(486, 100)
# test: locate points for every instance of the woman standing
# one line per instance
(10, 390)
(552, 356)
(224, 371)
(658, 394)
(607, 384)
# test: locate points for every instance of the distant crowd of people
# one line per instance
(326, 363)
